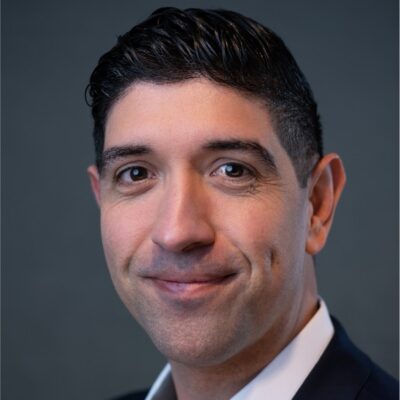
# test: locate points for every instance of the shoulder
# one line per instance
(374, 382)
(379, 385)
(141, 395)
(345, 372)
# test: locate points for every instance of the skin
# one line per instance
(210, 249)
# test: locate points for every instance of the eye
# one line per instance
(236, 176)
(133, 174)
(233, 170)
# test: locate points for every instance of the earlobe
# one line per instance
(94, 182)
(327, 183)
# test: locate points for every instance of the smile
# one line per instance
(190, 288)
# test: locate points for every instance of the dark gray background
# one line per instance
(65, 333)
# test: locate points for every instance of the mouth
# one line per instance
(190, 288)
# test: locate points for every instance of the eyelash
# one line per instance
(245, 170)
(119, 175)
(247, 181)
(247, 173)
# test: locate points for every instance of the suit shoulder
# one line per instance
(345, 372)
(379, 385)
(141, 395)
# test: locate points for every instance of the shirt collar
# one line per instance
(283, 376)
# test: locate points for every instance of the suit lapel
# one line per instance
(339, 374)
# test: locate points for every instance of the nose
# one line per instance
(182, 223)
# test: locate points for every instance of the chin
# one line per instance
(196, 347)
(195, 354)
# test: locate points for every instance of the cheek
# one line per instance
(271, 235)
(255, 228)
(123, 230)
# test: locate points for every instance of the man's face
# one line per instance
(203, 222)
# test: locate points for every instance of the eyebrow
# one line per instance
(113, 154)
(251, 147)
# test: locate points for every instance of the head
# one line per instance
(225, 47)
(213, 190)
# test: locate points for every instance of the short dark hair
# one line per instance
(174, 45)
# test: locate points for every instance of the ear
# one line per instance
(94, 177)
(327, 183)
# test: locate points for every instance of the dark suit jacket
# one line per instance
(342, 373)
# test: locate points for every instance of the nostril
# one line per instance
(183, 236)
(195, 245)
(185, 242)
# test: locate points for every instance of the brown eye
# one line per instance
(138, 173)
(234, 170)
(133, 174)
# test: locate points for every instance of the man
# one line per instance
(215, 196)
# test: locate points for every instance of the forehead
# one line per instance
(179, 118)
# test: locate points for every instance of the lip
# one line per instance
(190, 288)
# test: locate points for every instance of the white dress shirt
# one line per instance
(283, 376)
